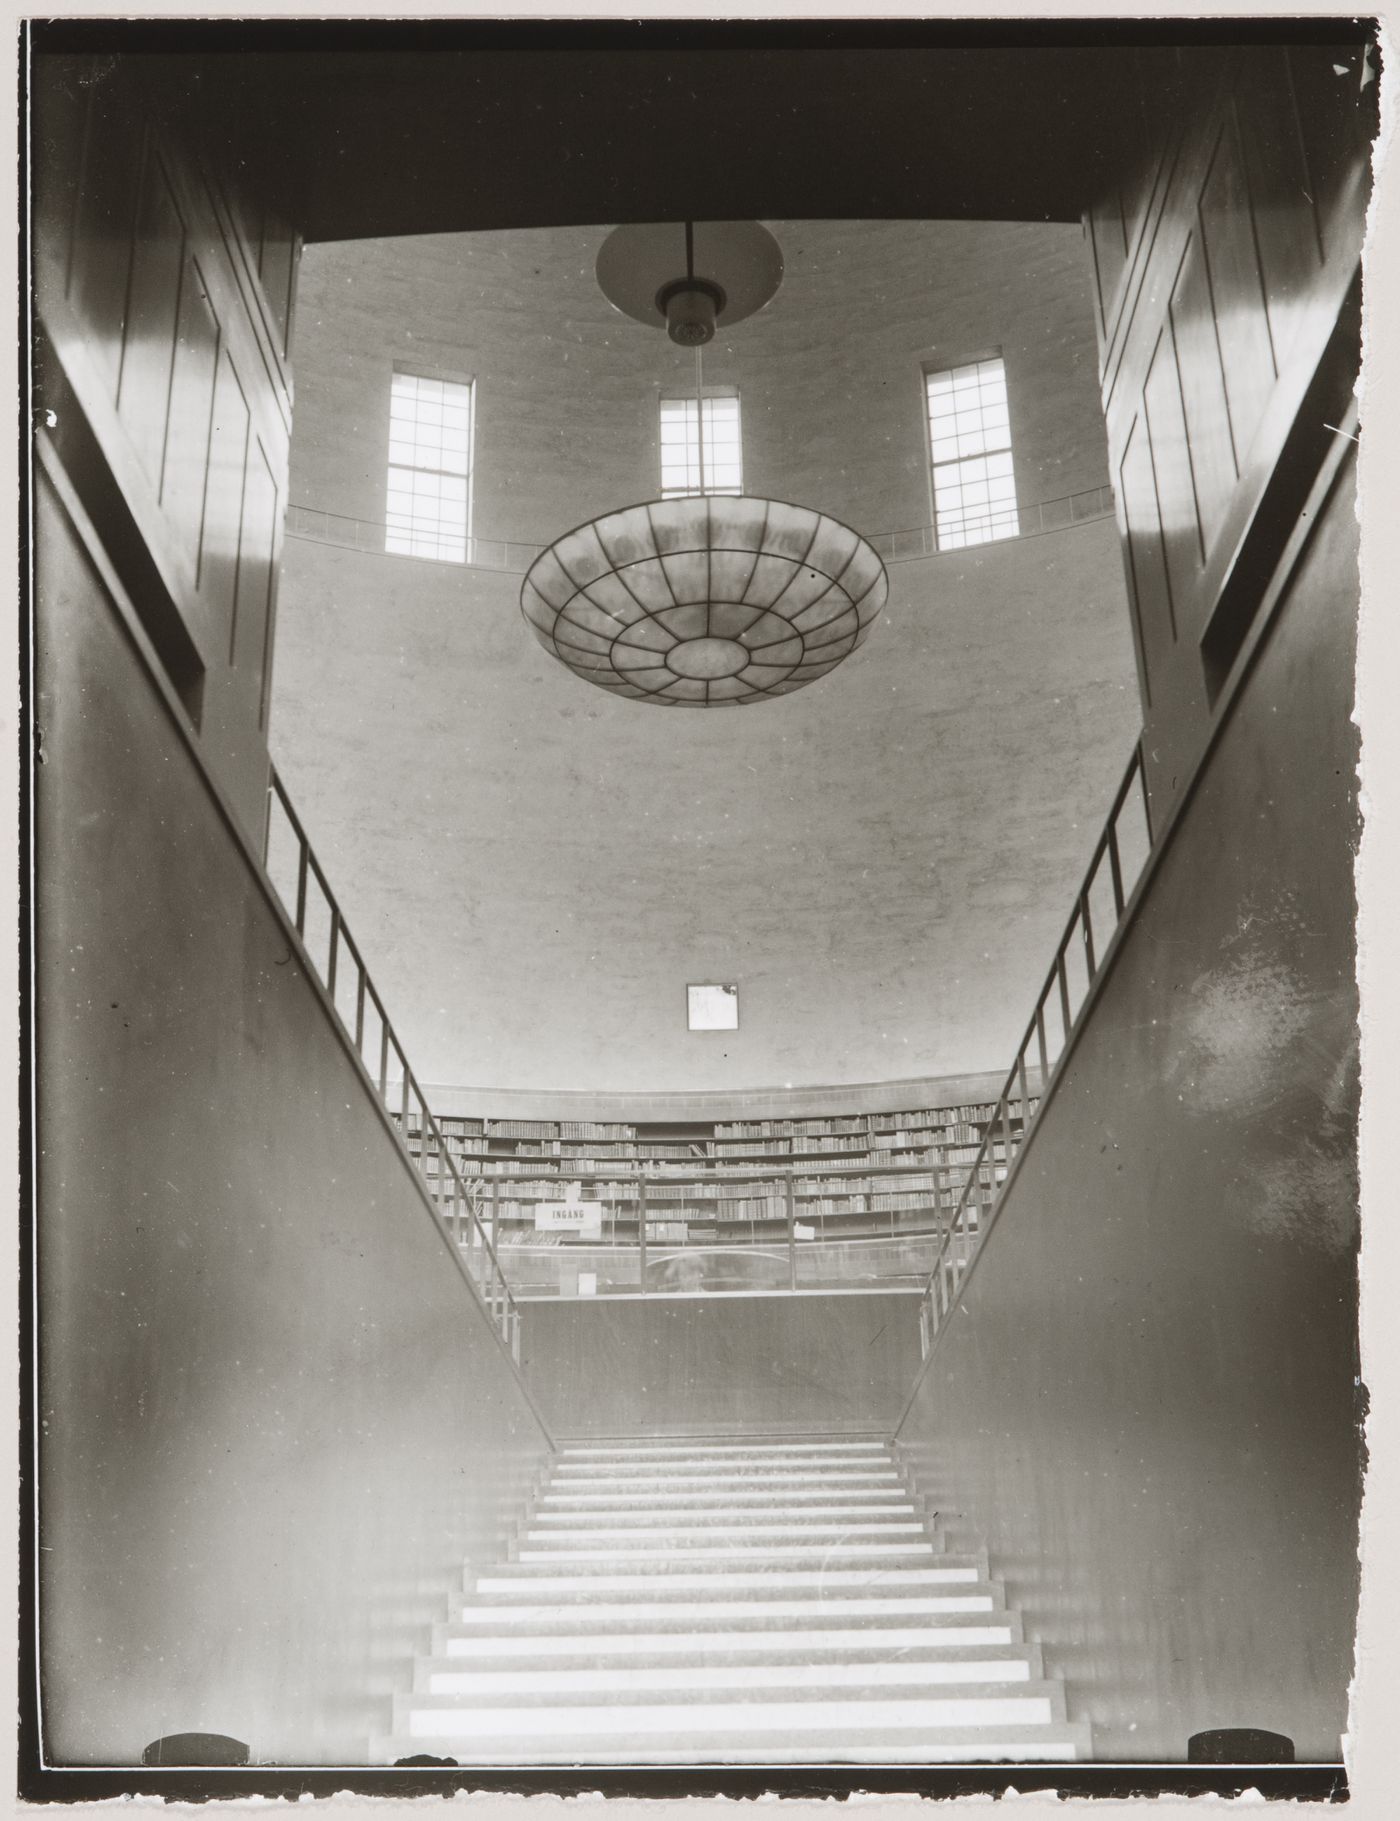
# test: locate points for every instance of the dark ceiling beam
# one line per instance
(365, 129)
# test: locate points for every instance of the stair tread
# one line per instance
(973, 1704)
(720, 1576)
(699, 1551)
(1008, 1666)
(937, 1633)
(1047, 1745)
(506, 1608)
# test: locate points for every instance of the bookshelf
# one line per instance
(859, 1176)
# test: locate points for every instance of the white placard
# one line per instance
(582, 1217)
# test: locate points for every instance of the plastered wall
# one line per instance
(274, 1417)
(1148, 1405)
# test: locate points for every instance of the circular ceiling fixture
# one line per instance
(705, 602)
(685, 277)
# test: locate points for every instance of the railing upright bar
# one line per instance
(334, 951)
(1115, 867)
(791, 1230)
(1064, 991)
(1087, 924)
(642, 1232)
(302, 858)
(360, 1008)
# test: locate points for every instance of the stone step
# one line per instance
(738, 1518)
(768, 1572)
(704, 1497)
(662, 1479)
(1007, 1663)
(943, 1745)
(572, 1451)
(813, 1639)
(678, 1714)
(812, 1532)
(698, 1551)
(506, 1610)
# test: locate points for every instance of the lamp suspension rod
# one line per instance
(699, 368)
(700, 414)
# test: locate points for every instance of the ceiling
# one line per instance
(360, 129)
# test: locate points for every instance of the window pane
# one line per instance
(970, 445)
(428, 499)
(680, 447)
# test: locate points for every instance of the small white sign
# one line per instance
(712, 1007)
(582, 1217)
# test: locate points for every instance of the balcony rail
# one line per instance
(896, 1244)
(1119, 856)
(440, 542)
(335, 958)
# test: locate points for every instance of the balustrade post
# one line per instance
(791, 1229)
(333, 957)
(1088, 925)
(1115, 867)
(642, 1231)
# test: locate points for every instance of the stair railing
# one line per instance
(1115, 866)
(335, 959)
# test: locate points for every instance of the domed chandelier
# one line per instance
(706, 600)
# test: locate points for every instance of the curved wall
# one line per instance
(534, 870)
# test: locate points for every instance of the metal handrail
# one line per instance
(945, 1177)
(975, 1214)
(316, 526)
(479, 1254)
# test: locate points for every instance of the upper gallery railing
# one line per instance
(1118, 859)
(441, 541)
(651, 1236)
(335, 957)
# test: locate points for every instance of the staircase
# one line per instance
(703, 1602)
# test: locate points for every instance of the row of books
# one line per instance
(784, 1128)
(935, 1121)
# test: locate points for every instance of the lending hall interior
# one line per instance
(696, 1058)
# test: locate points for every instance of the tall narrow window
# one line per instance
(430, 468)
(974, 490)
(680, 447)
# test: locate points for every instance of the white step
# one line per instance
(662, 1578)
(565, 1479)
(686, 1450)
(739, 1517)
(732, 1498)
(822, 1551)
(982, 1598)
(439, 1716)
(810, 1529)
(932, 1632)
(449, 1678)
(948, 1745)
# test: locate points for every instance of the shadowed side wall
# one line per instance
(1147, 1404)
(274, 1415)
(716, 1365)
